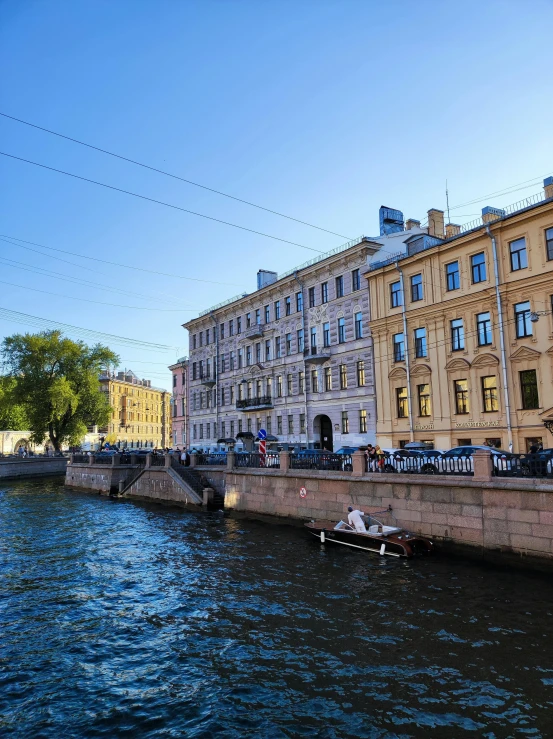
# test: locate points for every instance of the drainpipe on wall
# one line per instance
(216, 374)
(296, 278)
(501, 339)
(407, 360)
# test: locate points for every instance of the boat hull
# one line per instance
(402, 544)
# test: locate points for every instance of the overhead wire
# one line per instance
(169, 174)
(160, 202)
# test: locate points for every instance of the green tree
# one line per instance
(56, 383)
(12, 415)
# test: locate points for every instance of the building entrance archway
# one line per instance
(322, 431)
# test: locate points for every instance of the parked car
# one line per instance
(459, 459)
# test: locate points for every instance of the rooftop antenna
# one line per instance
(447, 201)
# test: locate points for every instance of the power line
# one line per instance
(505, 191)
(37, 321)
(159, 202)
(115, 264)
(99, 302)
(169, 174)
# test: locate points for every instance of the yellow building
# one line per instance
(140, 413)
(462, 327)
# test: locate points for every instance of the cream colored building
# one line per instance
(140, 413)
(462, 355)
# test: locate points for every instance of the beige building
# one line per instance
(462, 327)
(140, 415)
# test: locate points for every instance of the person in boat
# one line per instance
(355, 520)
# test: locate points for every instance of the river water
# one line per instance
(121, 619)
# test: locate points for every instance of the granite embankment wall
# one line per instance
(507, 515)
(156, 483)
(99, 477)
(32, 467)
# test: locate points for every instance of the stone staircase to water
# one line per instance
(197, 482)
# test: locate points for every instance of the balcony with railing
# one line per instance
(317, 354)
(254, 332)
(253, 404)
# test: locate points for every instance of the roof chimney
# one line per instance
(436, 223)
(452, 229)
(265, 277)
(490, 214)
(391, 220)
(548, 187)
(411, 224)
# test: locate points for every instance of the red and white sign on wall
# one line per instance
(303, 492)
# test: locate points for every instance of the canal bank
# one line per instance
(14, 468)
(483, 516)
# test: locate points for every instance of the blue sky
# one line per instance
(321, 110)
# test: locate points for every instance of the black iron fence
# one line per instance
(419, 463)
(157, 460)
(102, 459)
(257, 460)
(312, 460)
(525, 465)
(213, 458)
(81, 458)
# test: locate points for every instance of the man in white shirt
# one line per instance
(355, 520)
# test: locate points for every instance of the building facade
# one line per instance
(179, 403)
(294, 357)
(463, 331)
(140, 416)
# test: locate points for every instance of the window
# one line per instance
(326, 334)
(299, 336)
(358, 325)
(519, 258)
(240, 358)
(343, 377)
(206, 336)
(277, 347)
(522, 320)
(288, 344)
(424, 400)
(194, 341)
(324, 292)
(232, 428)
(549, 243)
(201, 431)
(268, 349)
(279, 425)
(355, 280)
(290, 424)
(340, 286)
(457, 335)
(222, 331)
(302, 423)
(301, 381)
(478, 267)
(248, 356)
(248, 320)
(529, 389)
(277, 310)
(269, 387)
(362, 422)
(194, 370)
(201, 368)
(269, 422)
(258, 352)
(195, 431)
(402, 402)
(258, 317)
(174, 381)
(241, 391)
(249, 424)
(279, 386)
(287, 306)
(328, 379)
(289, 383)
(311, 297)
(231, 394)
(484, 329)
(461, 390)
(420, 342)
(395, 294)
(267, 311)
(452, 276)
(341, 330)
(416, 288)
(208, 368)
(360, 373)
(314, 381)
(399, 348)
(313, 340)
(231, 328)
(299, 302)
(201, 338)
(489, 394)
(249, 391)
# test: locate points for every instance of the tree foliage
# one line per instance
(12, 414)
(55, 381)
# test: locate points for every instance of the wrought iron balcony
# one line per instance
(317, 354)
(207, 380)
(252, 404)
(254, 332)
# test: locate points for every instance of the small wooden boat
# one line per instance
(379, 538)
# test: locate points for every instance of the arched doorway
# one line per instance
(322, 428)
